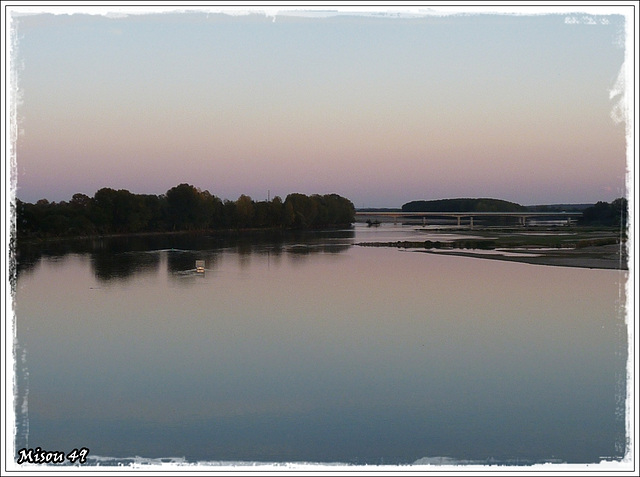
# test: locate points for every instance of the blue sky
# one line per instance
(379, 108)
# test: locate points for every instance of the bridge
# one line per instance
(520, 216)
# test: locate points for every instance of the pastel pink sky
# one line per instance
(378, 109)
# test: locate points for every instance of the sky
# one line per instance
(382, 106)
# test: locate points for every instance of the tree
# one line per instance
(212, 210)
(229, 216)
(301, 211)
(602, 213)
(620, 212)
(184, 203)
(244, 211)
(118, 211)
(183, 207)
(80, 207)
(276, 212)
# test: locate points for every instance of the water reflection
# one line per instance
(313, 350)
(122, 258)
(107, 266)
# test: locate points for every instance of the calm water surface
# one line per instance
(315, 350)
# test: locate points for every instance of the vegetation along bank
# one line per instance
(182, 208)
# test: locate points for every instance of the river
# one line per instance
(312, 349)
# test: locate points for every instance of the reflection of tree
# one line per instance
(27, 255)
(108, 266)
(179, 261)
(335, 248)
(123, 257)
(301, 251)
(24, 260)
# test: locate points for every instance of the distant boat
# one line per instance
(374, 223)
(200, 266)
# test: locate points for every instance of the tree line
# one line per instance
(181, 208)
(462, 205)
(614, 214)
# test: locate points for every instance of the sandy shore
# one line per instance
(603, 257)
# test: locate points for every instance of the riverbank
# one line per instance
(613, 257)
(235, 233)
(602, 248)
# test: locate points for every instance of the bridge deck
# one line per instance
(469, 214)
(521, 216)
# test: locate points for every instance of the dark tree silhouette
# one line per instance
(182, 208)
